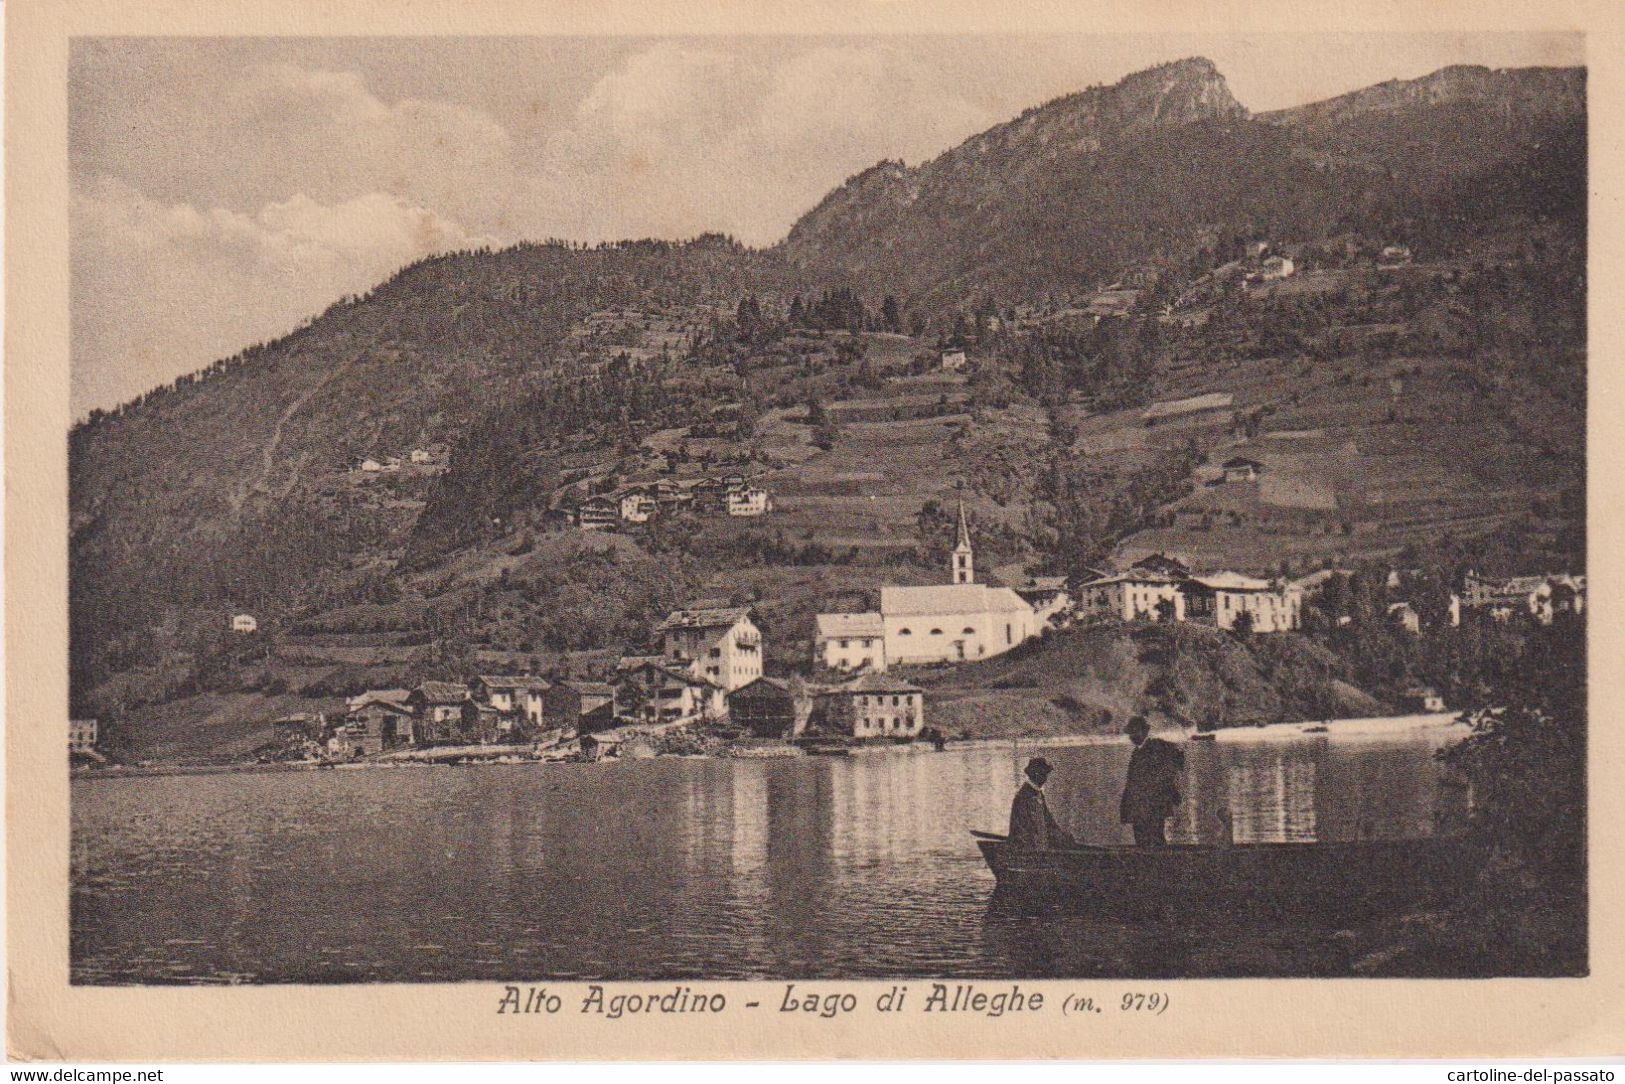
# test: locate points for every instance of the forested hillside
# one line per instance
(1091, 257)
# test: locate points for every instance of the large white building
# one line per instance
(1136, 595)
(721, 644)
(1219, 598)
(953, 623)
(958, 622)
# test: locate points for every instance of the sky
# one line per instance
(225, 189)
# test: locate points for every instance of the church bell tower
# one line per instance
(963, 561)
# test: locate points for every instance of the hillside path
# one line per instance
(268, 453)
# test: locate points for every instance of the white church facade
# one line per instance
(949, 623)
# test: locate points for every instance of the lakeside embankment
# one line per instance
(1441, 726)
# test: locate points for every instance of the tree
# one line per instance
(890, 316)
(1242, 626)
(1166, 611)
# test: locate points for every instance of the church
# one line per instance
(956, 622)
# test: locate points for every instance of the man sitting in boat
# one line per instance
(1032, 828)
(1152, 793)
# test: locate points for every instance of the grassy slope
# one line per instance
(1093, 678)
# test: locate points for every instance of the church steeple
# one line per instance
(963, 559)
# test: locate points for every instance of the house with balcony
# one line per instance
(719, 644)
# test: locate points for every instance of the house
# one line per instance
(1394, 256)
(749, 501)
(596, 747)
(720, 644)
(379, 725)
(710, 496)
(1422, 698)
(1405, 616)
(1242, 469)
(521, 694)
(419, 455)
(1140, 594)
(487, 724)
(299, 727)
(1197, 407)
(244, 623)
(953, 361)
(660, 693)
(1275, 268)
(639, 507)
(1540, 597)
(771, 707)
(1049, 598)
(438, 709)
(713, 496)
(371, 466)
(1568, 594)
(82, 736)
(1161, 562)
(579, 707)
(1220, 598)
(850, 642)
(598, 514)
(875, 706)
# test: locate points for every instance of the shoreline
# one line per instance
(1439, 725)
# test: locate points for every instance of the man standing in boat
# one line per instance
(1032, 828)
(1152, 793)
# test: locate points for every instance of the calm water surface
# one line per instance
(668, 868)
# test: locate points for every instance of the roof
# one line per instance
(1041, 584)
(395, 706)
(1133, 575)
(780, 685)
(636, 662)
(442, 692)
(836, 626)
(1231, 581)
(1315, 579)
(523, 681)
(705, 619)
(399, 696)
(877, 683)
(1521, 585)
(671, 672)
(1242, 461)
(587, 688)
(1217, 400)
(955, 598)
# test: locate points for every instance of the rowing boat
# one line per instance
(1257, 878)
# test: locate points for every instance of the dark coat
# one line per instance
(1152, 792)
(1032, 828)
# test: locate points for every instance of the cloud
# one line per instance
(681, 138)
(159, 289)
(251, 200)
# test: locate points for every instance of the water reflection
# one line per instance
(811, 867)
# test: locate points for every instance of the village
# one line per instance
(706, 690)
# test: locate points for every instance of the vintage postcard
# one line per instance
(723, 531)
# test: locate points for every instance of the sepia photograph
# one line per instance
(795, 507)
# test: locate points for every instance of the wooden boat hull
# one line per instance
(1259, 878)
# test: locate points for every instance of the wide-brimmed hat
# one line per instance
(1038, 766)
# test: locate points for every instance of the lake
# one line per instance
(815, 867)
